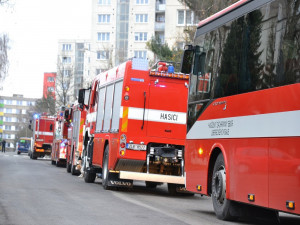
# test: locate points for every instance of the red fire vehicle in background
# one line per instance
(42, 127)
(60, 141)
(136, 126)
(75, 139)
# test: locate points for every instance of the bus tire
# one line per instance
(224, 208)
(105, 171)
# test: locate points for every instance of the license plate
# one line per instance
(136, 147)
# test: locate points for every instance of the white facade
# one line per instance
(121, 28)
(71, 63)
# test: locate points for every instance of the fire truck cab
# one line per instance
(136, 125)
(42, 127)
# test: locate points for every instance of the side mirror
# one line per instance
(187, 60)
(83, 96)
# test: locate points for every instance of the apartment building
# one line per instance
(70, 67)
(121, 28)
(14, 116)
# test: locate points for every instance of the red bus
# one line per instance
(243, 137)
(75, 139)
(136, 126)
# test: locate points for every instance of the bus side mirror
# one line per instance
(187, 60)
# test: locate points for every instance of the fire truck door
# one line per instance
(167, 109)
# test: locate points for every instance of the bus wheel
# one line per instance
(105, 172)
(222, 206)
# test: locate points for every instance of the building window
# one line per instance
(140, 36)
(19, 102)
(104, 2)
(103, 36)
(8, 110)
(66, 60)
(140, 54)
(103, 18)
(66, 47)
(141, 18)
(50, 79)
(102, 55)
(66, 73)
(8, 102)
(7, 127)
(23, 111)
(98, 71)
(186, 17)
(50, 89)
(142, 2)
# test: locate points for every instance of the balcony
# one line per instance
(160, 7)
(159, 26)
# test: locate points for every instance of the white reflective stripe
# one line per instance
(91, 117)
(282, 124)
(44, 133)
(155, 115)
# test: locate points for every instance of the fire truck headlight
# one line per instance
(179, 153)
(151, 151)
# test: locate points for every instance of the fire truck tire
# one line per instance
(150, 184)
(33, 157)
(105, 172)
(53, 162)
(68, 167)
(73, 170)
(223, 207)
(89, 177)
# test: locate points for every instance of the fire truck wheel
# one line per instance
(53, 162)
(73, 170)
(33, 157)
(150, 184)
(89, 177)
(223, 207)
(105, 172)
(68, 167)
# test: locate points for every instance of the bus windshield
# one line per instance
(258, 51)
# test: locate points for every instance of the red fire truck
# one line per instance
(136, 126)
(60, 141)
(75, 139)
(42, 127)
(243, 138)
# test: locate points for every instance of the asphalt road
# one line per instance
(36, 192)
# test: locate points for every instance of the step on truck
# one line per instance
(42, 127)
(136, 125)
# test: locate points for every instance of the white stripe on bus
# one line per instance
(281, 124)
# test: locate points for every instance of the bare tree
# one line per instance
(64, 83)
(3, 58)
(44, 105)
